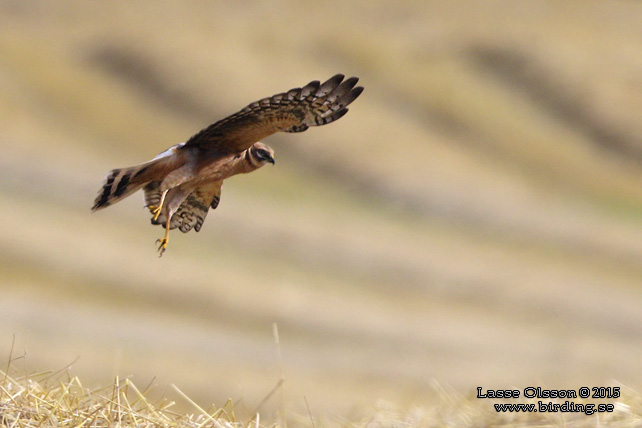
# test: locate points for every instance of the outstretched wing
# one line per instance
(294, 111)
(193, 210)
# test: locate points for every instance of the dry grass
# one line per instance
(58, 399)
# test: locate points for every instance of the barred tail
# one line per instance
(121, 183)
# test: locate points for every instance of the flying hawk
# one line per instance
(184, 181)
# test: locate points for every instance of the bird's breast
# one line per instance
(221, 168)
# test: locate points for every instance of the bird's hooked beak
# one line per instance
(271, 160)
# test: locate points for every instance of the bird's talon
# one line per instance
(156, 211)
(162, 246)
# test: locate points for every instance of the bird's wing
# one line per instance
(294, 111)
(193, 210)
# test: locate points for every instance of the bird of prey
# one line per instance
(182, 183)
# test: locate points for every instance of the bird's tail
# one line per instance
(121, 183)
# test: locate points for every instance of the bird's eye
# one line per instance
(262, 154)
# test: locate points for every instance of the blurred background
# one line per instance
(475, 220)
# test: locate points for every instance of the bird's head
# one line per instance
(260, 154)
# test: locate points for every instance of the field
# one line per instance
(56, 399)
(474, 220)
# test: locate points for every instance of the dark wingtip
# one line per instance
(351, 82)
(351, 96)
(314, 85)
(337, 115)
(330, 84)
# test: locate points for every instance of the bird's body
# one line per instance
(182, 183)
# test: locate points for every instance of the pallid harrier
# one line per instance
(184, 181)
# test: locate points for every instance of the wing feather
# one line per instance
(192, 212)
(296, 110)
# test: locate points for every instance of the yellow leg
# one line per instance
(156, 210)
(163, 242)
